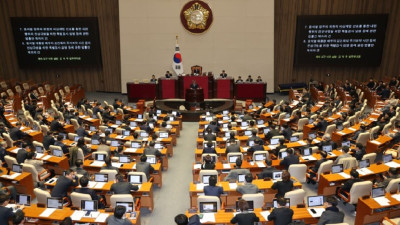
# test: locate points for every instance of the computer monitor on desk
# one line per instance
(275, 202)
(250, 203)
(233, 158)
(128, 205)
(135, 179)
(89, 205)
(274, 141)
(314, 201)
(364, 163)
(378, 192)
(17, 168)
(100, 157)
(151, 159)
(337, 168)
(100, 177)
(208, 207)
(57, 152)
(54, 203)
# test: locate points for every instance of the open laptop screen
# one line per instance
(314, 201)
(100, 177)
(135, 179)
(208, 207)
(17, 168)
(327, 148)
(337, 168)
(364, 163)
(89, 205)
(23, 199)
(54, 203)
(233, 158)
(274, 141)
(250, 203)
(378, 192)
(128, 206)
(151, 159)
(387, 158)
(277, 175)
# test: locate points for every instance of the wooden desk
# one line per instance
(377, 144)
(232, 195)
(369, 211)
(60, 214)
(33, 135)
(23, 183)
(125, 168)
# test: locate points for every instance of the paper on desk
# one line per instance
(260, 164)
(101, 218)
(272, 147)
(383, 201)
(265, 214)
(15, 150)
(197, 166)
(97, 163)
(353, 129)
(207, 217)
(130, 150)
(114, 126)
(92, 184)
(316, 141)
(47, 157)
(310, 157)
(252, 163)
(396, 196)
(226, 166)
(134, 167)
(118, 165)
(301, 142)
(232, 186)
(245, 148)
(47, 212)
(364, 171)
(119, 137)
(199, 187)
(376, 142)
(261, 126)
(392, 164)
(341, 133)
(77, 215)
(345, 175)
(39, 155)
(318, 212)
(102, 135)
(14, 175)
(100, 185)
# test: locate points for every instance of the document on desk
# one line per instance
(47, 212)
(47, 157)
(272, 147)
(353, 129)
(396, 196)
(100, 185)
(308, 158)
(200, 186)
(207, 217)
(341, 133)
(376, 142)
(260, 164)
(15, 150)
(245, 148)
(134, 167)
(114, 126)
(364, 171)
(197, 166)
(119, 137)
(318, 212)
(39, 155)
(232, 186)
(316, 141)
(345, 175)
(118, 165)
(226, 166)
(392, 164)
(97, 163)
(301, 142)
(133, 150)
(77, 215)
(102, 218)
(265, 214)
(383, 201)
(92, 184)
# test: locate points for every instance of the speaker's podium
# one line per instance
(194, 98)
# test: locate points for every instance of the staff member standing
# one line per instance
(194, 85)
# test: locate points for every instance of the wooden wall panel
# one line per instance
(286, 12)
(107, 78)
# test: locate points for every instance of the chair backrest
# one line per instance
(373, 131)
(10, 161)
(75, 123)
(36, 143)
(80, 154)
(51, 147)
(100, 117)
(265, 155)
(120, 111)
(258, 199)
(299, 134)
(41, 196)
(204, 198)
(211, 154)
(278, 136)
(71, 136)
(208, 173)
(346, 124)
(276, 107)
(370, 156)
(348, 162)
(330, 129)
(119, 130)
(142, 174)
(120, 198)
(324, 168)
(363, 138)
(360, 189)
(386, 128)
(8, 139)
(103, 128)
(296, 196)
(90, 112)
(67, 89)
(31, 169)
(301, 123)
(76, 199)
(45, 129)
(298, 171)
(111, 174)
(234, 154)
(280, 117)
(315, 149)
(393, 185)
(294, 112)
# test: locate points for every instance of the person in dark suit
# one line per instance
(239, 80)
(209, 148)
(22, 153)
(258, 146)
(97, 109)
(331, 215)
(253, 137)
(259, 79)
(371, 84)
(233, 147)
(81, 132)
(144, 166)
(223, 74)
(194, 85)
(108, 165)
(107, 115)
(152, 80)
(386, 178)
(279, 147)
(249, 79)
(209, 136)
(320, 124)
(208, 164)
(64, 183)
(287, 131)
(61, 144)
(79, 168)
(326, 140)
(244, 217)
(55, 125)
(84, 181)
(168, 74)
(345, 150)
(117, 218)
(283, 186)
(213, 126)
(281, 215)
(385, 93)
(122, 187)
(346, 186)
(16, 132)
(290, 159)
(48, 140)
(212, 189)
(268, 170)
(359, 151)
(150, 150)
(316, 167)
(360, 131)
(248, 187)
(182, 219)
(6, 213)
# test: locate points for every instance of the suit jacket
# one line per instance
(210, 137)
(208, 166)
(21, 155)
(123, 188)
(81, 132)
(234, 174)
(104, 148)
(281, 216)
(62, 186)
(346, 155)
(5, 215)
(247, 117)
(349, 183)
(255, 148)
(282, 187)
(56, 126)
(318, 164)
(82, 172)
(152, 151)
(233, 148)
(16, 134)
(289, 160)
(144, 167)
(63, 146)
(267, 172)
(209, 150)
(287, 133)
(213, 191)
(86, 190)
(245, 218)
(247, 189)
(330, 216)
(47, 141)
(38, 164)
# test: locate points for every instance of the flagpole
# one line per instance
(176, 39)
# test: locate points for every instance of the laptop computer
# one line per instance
(140, 116)
(126, 133)
(57, 152)
(244, 124)
(260, 122)
(158, 145)
(109, 130)
(114, 143)
(39, 149)
(208, 207)
(241, 178)
(312, 135)
(135, 179)
(100, 177)
(250, 203)
(337, 168)
(151, 159)
(387, 158)
(282, 155)
(378, 192)
(136, 144)
(225, 112)
(100, 157)
(133, 124)
(346, 143)
(89, 206)
(128, 205)
(64, 135)
(259, 157)
(306, 151)
(274, 141)
(92, 128)
(206, 179)
(206, 142)
(118, 122)
(76, 138)
(95, 142)
(225, 118)
(124, 159)
(364, 163)
(233, 158)
(227, 134)
(22, 199)
(248, 133)
(251, 143)
(163, 134)
(315, 201)
(277, 175)
(294, 138)
(144, 134)
(327, 148)
(275, 202)
(266, 130)
(54, 203)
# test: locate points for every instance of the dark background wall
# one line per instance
(107, 78)
(286, 12)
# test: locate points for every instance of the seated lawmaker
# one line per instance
(118, 217)
(153, 79)
(282, 214)
(194, 85)
(346, 186)
(268, 170)
(84, 181)
(223, 74)
(331, 215)
(248, 187)
(122, 187)
(244, 217)
(5, 212)
(234, 174)
(168, 74)
(290, 159)
(283, 186)
(212, 189)
(249, 79)
(63, 184)
(239, 80)
(259, 79)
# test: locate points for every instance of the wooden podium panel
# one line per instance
(167, 88)
(223, 88)
(138, 91)
(255, 91)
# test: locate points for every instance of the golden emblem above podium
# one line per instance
(196, 16)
